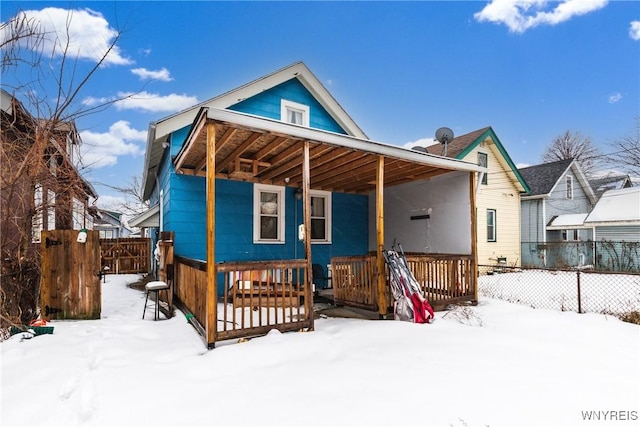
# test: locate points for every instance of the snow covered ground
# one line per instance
(497, 364)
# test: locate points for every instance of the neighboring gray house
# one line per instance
(554, 211)
(109, 223)
(609, 182)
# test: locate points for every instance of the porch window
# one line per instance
(569, 187)
(570, 235)
(51, 210)
(292, 112)
(483, 160)
(36, 219)
(320, 216)
(268, 214)
(491, 225)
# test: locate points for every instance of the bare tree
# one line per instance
(134, 203)
(573, 146)
(34, 153)
(626, 151)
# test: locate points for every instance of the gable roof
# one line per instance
(544, 178)
(159, 130)
(462, 145)
(610, 182)
(618, 207)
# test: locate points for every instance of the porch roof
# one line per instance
(256, 149)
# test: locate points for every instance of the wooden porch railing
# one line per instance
(444, 279)
(256, 296)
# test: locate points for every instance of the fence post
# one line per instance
(579, 300)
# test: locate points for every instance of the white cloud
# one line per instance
(522, 165)
(144, 74)
(520, 15)
(615, 97)
(86, 32)
(99, 150)
(153, 102)
(422, 142)
(634, 30)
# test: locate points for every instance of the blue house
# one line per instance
(264, 181)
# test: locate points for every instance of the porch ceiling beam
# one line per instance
(277, 161)
(226, 136)
(320, 155)
(350, 170)
(270, 147)
(192, 137)
(224, 163)
(357, 179)
(291, 168)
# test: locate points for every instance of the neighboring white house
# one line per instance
(616, 216)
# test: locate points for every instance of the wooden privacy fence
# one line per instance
(126, 255)
(70, 287)
(253, 297)
(444, 279)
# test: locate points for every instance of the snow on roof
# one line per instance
(567, 221)
(617, 206)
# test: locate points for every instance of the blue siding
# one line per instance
(234, 223)
(267, 104)
(184, 202)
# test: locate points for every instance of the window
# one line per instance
(483, 160)
(77, 214)
(569, 187)
(51, 210)
(320, 217)
(268, 214)
(570, 235)
(106, 234)
(491, 225)
(292, 112)
(36, 219)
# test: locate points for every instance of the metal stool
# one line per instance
(155, 286)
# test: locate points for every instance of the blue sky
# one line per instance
(531, 69)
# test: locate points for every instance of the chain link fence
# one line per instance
(581, 291)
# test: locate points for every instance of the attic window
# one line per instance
(294, 113)
(569, 187)
(483, 160)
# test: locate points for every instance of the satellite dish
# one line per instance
(444, 136)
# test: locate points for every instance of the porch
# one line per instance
(243, 285)
(258, 296)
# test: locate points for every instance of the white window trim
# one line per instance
(569, 187)
(51, 210)
(257, 189)
(484, 179)
(37, 219)
(495, 226)
(78, 214)
(286, 105)
(326, 195)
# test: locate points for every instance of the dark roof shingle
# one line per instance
(542, 178)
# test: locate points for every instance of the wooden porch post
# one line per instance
(306, 188)
(474, 233)
(382, 278)
(212, 306)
